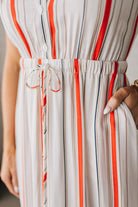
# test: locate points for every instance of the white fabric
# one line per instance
(77, 27)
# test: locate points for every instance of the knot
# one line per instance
(33, 74)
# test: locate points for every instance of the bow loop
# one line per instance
(35, 73)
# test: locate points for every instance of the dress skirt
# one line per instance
(69, 154)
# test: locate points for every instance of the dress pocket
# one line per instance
(128, 112)
(127, 154)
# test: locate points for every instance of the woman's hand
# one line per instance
(8, 170)
(127, 94)
(9, 95)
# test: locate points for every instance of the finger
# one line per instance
(116, 99)
(15, 180)
(7, 180)
(11, 189)
(131, 101)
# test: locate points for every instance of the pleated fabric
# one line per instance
(73, 59)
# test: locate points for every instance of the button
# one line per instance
(40, 9)
(45, 47)
(44, 50)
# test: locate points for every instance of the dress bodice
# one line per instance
(90, 29)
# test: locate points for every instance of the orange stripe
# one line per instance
(13, 12)
(79, 131)
(102, 30)
(39, 62)
(52, 26)
(113, 141)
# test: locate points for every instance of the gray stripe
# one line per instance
(95, 135)
(63, 130)
(126, 30)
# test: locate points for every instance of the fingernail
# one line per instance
(107, 109)
(16, 189)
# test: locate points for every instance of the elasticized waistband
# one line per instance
(67, 65)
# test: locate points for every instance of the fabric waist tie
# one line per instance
(48, 68)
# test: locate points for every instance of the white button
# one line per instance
(45, 47)
(40, 9)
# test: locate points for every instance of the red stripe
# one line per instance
(52, 27)
(13, 12)
(102, 30)
(135, 27)
(79, 131)
(45, 177)
(44, 101)
(125, 80)
(113, 140)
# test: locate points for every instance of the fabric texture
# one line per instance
(73, 59)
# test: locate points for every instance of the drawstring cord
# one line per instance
(47, 67)
(45, 71)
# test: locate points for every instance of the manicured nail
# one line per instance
(107, 109)
(16, 189)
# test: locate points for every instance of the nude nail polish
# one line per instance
(107, 109)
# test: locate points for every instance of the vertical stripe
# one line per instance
(125, 79)
(82, 86)
(133, 35)
(63, 130)
(42, 73)
(23, 174)
(102, 30)
(13, 12)
(79, 131)
(81, 28)
(126, 152)
(95, 133)
(113, 140)
(126, 30)
(65, 29)
(43, 31)
(38, 47)
(119, 152)
(102, 47)
(52, 26)
(95, 26)
(23, 147)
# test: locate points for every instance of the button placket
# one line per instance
(44, 136)
(40, 10)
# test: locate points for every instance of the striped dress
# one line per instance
(73, 59)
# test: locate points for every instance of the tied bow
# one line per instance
(48, 68)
